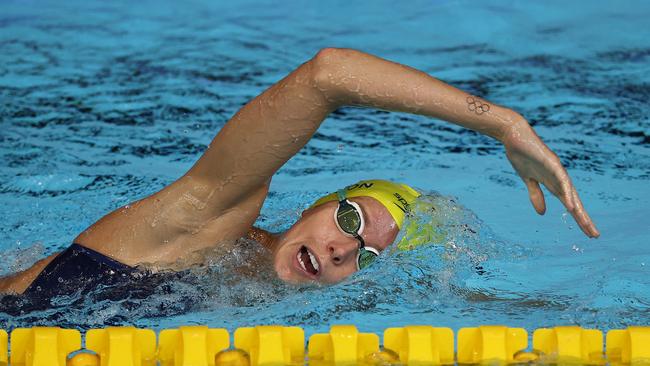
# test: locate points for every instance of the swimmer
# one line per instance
(218, 200)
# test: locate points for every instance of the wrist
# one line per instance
(513, 123)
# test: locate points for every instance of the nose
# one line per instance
(342, 251)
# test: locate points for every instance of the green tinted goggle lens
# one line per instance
(349, 220)
(366, 258)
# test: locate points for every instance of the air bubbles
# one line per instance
(577, 249)
(565, 217)
(20, 258)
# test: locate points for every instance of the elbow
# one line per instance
(326, 66)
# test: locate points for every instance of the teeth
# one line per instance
(314, 262)
(302, 264)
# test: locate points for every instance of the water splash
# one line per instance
(239, 278)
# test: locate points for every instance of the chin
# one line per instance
(283, 270)
(284, 273)
(289, 278)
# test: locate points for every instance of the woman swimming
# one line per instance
(217, 201)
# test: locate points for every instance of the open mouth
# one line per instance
(307, 261)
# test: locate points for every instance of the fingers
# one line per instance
(582, 218)
(562, 187)
(566, 195)
(536, 195)
(564, 190)
(569, 198)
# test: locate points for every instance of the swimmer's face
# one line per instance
(315, 250)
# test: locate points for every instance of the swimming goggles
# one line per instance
(349, 220)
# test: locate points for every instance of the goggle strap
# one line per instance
(340, 194)
(362, 243)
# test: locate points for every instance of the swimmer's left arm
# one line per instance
(17, 283)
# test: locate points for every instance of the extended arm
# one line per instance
(269, 130)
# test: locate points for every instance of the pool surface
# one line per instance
(102, 103)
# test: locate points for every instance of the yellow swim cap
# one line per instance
(396, 197)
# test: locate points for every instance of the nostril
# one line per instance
(338, 253)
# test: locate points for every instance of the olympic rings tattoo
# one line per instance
(477, 106)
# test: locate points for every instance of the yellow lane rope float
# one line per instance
(344, 344)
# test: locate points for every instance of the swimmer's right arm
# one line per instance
(356, 78)
(220, 196)
(269, 130)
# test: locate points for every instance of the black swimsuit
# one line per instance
(78, 276)
(78, 270)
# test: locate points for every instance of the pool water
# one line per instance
(102, 103)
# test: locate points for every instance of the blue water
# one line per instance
(102, 103)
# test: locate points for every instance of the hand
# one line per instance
(536, 163)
